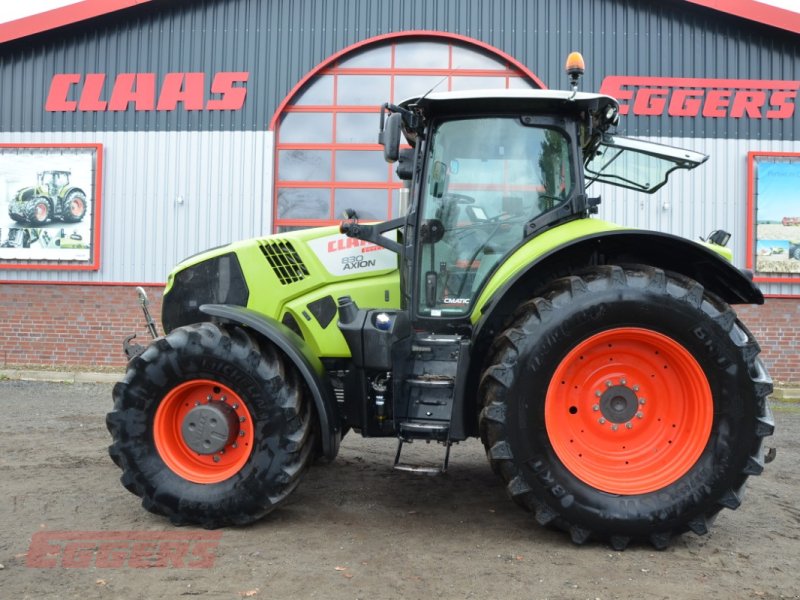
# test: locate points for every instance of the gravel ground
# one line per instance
(357, 529)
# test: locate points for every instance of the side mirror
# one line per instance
(390, 137)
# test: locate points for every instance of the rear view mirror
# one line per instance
(390, 137)
(438, 178)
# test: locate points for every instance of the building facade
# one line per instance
(157, 129)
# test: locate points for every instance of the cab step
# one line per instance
(420, 469)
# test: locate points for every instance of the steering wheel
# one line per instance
(458, 198)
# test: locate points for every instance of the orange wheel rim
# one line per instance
(171, 416)
(41, 211)
(629, 411)
(76, 207)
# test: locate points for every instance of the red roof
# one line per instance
(87, 9)
(756, 11)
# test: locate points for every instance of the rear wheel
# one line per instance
(210, 427)
(74, 207)
(625, 404)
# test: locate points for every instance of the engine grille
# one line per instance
(284, 260)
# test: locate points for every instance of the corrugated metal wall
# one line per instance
(221, 162)
(167, 195)
(279, 41)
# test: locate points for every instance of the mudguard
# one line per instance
(702, 262)
(303, 358)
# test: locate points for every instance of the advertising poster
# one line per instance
(49, 206)
(775, 199)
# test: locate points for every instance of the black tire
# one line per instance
(521, 364)
(273, 394)
(38, 211)
(74, 206)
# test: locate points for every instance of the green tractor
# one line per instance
(614, 389)
(53, 198)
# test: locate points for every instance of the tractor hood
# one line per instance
(25, 194)
(295, 278)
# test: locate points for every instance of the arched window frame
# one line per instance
(332, 66)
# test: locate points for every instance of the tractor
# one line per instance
(615, 391)
(53, 198)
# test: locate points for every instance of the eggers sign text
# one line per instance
(708, 98)
(70, 92)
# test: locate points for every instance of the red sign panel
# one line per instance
(707, 98)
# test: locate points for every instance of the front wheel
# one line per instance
(210, 427)
(37, 211)
(625, 404)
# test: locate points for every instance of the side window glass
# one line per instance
(486, 179)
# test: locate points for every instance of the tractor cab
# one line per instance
(53, 181)
(496, 167)
(489, 169)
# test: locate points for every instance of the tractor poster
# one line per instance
(49, 206)
(775, 199)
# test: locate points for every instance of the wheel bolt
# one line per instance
(614, 427)
(596, 407)
(602, 421)
(598, 394)
(629, 425)
(639, 415)
(222, 452)
(197, 404)
(234, 445)
(224, 399)
(208, 397)
(642, 401)
(609, 383)
(216, 458)
(241, 434)
(241, 419)
(636, 388)
(623, 381)
(235, 406)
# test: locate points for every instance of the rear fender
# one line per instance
(296, 350)
(700, 262)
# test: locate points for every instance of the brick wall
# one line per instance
(70, 325)
(776, 326)
(74, 325)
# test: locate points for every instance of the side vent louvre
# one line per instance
(284, 260)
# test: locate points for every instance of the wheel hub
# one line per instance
(208, 428)
(619, 404)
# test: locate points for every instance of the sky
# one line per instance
(11, 9)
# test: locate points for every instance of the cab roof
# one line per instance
(511, 100)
